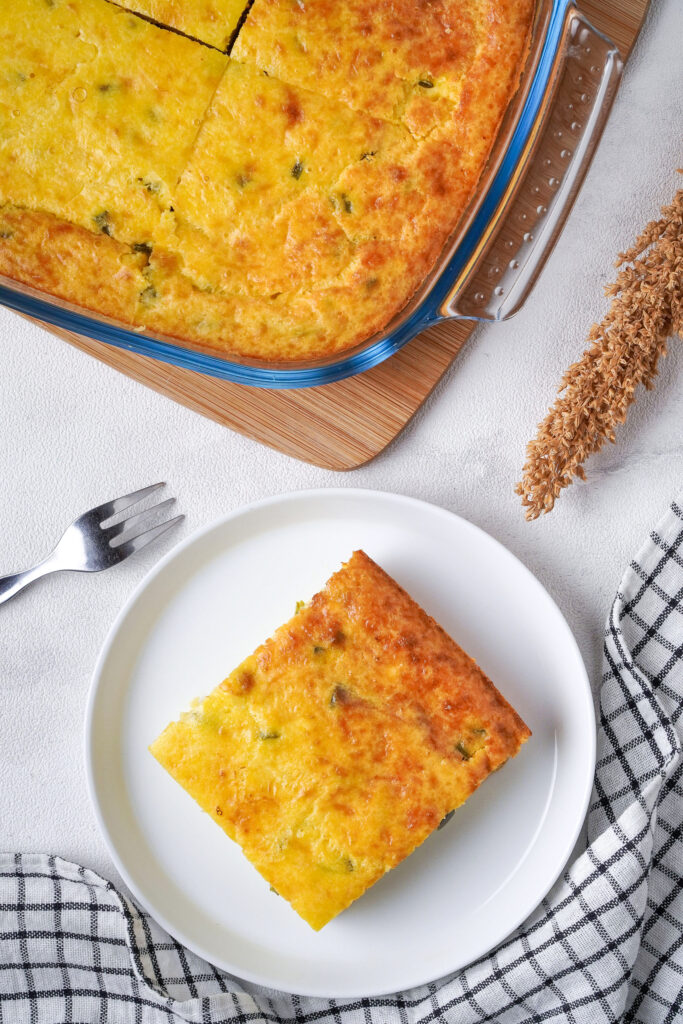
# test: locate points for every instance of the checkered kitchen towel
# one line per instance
(606, 944)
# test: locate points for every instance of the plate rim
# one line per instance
(195, 536)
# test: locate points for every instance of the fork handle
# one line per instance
(16, 581)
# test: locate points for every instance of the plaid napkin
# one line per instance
(605, 945)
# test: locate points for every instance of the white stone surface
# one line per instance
(74, 433)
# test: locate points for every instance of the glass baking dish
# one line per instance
(494, 256)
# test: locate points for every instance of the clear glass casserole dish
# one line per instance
(494, 256)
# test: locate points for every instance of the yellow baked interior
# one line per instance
(341, 743)
(287, 200)
(99, 111)
(261, 179)
(209, 21)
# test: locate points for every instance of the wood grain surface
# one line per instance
(337, 426)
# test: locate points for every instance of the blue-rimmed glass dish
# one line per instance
(492, 259)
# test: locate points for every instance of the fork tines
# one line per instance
(121, 535)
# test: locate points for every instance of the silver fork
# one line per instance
(89, 545)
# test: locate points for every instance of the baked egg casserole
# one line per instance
(272, 180)
(342, 742)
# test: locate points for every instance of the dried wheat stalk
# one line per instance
(595, 392)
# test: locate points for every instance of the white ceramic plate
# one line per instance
(205, 607)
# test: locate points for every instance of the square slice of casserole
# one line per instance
(342, 742)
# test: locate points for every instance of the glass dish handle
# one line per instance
(513, 249)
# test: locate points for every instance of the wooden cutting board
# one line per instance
(337, 426)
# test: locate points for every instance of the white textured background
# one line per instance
(74, 433)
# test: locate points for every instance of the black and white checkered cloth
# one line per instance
(605, 945)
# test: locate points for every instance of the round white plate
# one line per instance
(207, 605)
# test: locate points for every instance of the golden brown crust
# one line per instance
(335, 749)
(98, 272)
(407, 60)
(93, 271)
(287, 219)
(430, 674)
(288, 326)
(373, 56)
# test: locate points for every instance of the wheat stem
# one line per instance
(625, 347)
